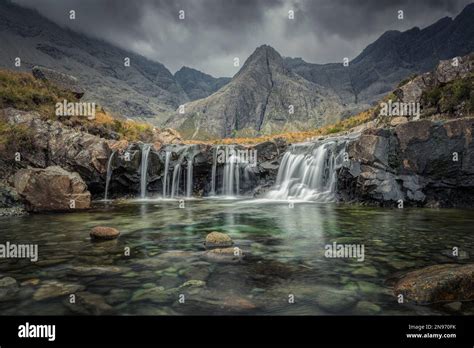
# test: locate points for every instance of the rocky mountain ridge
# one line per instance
(148, 91)
(263, 97)
(393, 57)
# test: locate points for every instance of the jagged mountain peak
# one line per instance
(258, 100)
(264, 56)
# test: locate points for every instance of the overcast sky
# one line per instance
(215, 31)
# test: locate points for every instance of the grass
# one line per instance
(15, 138)
(22, 91)
(452, 97)
(294, 137)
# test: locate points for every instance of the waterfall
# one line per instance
(189, 176)
(144, 169)
(175, 184)
(214, 171)
(165, 178)
(231, 178)
(308, 172)
(109, 174)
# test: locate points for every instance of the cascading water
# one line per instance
(144, 169)
(165, 176)
(231, 177)
(175, 183)
(214, 171)
(189, 176)
(109, 174)
(308, 172)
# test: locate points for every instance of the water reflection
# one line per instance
(284, 248)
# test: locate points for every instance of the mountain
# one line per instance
(391, 58)
(145, 90)
(197, 84)
(258, 99)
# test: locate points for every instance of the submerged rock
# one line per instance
(176, 255)
(455, 306)
(224, 255)
(93, 271)
(53, 288)
(88, 303)
(8, 288)
(157, 295)
(104, 233)
(218, 240)
(118, 296)
(367, 308)
(438, 283)
(193, 283)
(334, 300)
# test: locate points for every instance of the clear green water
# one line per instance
(284, 249)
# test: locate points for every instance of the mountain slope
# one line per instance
(197, 84)
(145, 90)
(392, 58)
(258, 99)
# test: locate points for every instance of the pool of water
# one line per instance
(284, 270)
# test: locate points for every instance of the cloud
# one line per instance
(215, 31)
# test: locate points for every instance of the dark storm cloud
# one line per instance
(216, 31)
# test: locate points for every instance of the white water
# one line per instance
(175, 183)
(144, 169)
(109, 174)
(231, 177)
(308, 173)
(214, 171)
(189, 176)
(165, 178)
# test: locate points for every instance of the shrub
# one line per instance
(15, 138)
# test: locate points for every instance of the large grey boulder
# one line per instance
(56, 144)
(63, 81)
(52, 189)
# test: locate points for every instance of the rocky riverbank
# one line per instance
(416, 160)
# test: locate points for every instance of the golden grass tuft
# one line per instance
(295, 137)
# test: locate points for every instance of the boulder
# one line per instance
(56, 144)
(52, 189)
(398, 120)
(218, 240)
(438, 283)
(448, 71)
(88, 303)
(62, 81)
(104, 233)
(412, 91)
(224, 255)
(53, 289)
(8, 288)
